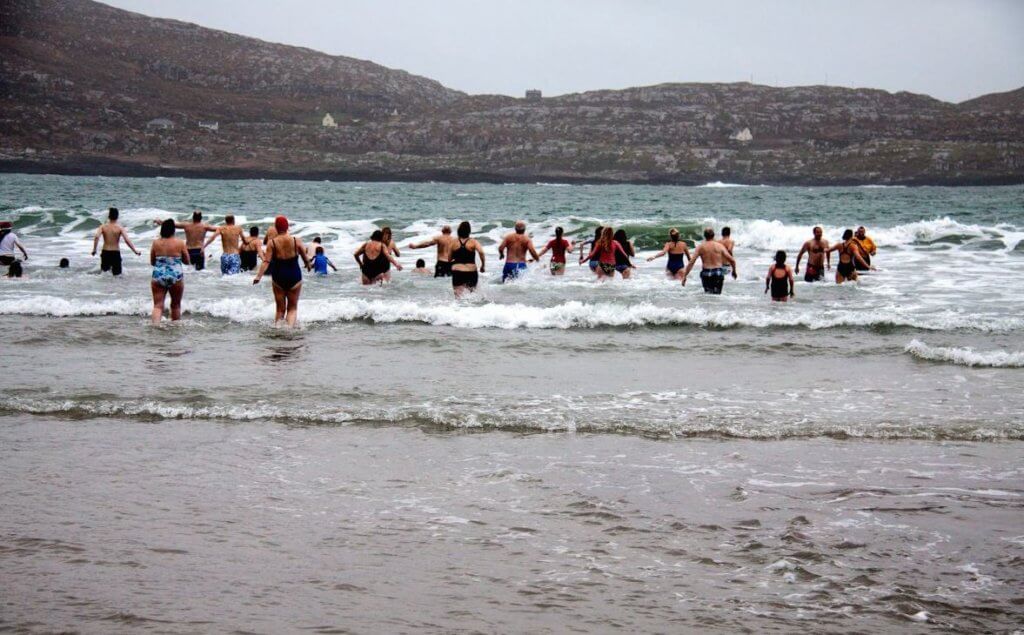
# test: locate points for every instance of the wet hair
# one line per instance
(558, 232)
(197, 216)
(464, 229)
(254, 231)
(230, 219)
(623, 240)
(726, 232)
(64, 263)
(447, 229)
(848, 234)
(597, 233)
(319, 250)
(377, 236)
(113, 213)
(420, 263)
(605, 241)
(318, 240)
(673, 235)
(709, 234)
(14, 271)
(385, 233)
(167, 228)
(780, 258)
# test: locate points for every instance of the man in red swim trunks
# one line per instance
(819, 257)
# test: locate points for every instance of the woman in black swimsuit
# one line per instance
(464, 272)
(374, 259)
(849, 258)
(780, 279)
(282, 259)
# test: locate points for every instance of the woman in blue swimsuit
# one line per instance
(677, 252)
(283, 253)
(167, 255)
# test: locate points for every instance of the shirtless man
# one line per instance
(195, 233)
(867, 247)
(713, 255)
(728, 243)
(819, 257)
(444, 242)
(230, 239)
(112, 232)
(517, 244)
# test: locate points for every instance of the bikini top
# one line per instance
(463, 255)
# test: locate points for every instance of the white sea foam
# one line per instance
(720, 184)
(966, 356)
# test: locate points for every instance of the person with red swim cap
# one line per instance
(282, 259)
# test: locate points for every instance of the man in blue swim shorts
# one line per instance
(517, 244)
(231, 240)
(713, 255)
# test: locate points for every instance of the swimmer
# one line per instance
(728, 243)
(311, 249)
(678, 254)
(464, 272)
(713, 255)
(780, 279)
(866, 245)
(195, 233)
(818, 254)
(230, 239)
(444, 243)
(559, 247)
(251, 250)
(605, 250)
(113, 233)
(167, 254)
(849, 258)
(517, 244)
(8, 243)
(375, 260)
(592, 261)
(392, 249)
(622, 262)
(64, 263)
(283, 262)
(321, 262)
(421, 267)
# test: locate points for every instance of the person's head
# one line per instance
(14, 271)
(621, 238)
(520, 227)
(673, 235)
(254, 231)
(197, 216)
(319, 251)
(420, 263)
(229, 219)
(861, 232)
(558, 233)
(318, 240)
(709, 234)
(780, 258)
(597, 232)
(167, 228)
(281, 224)
(5, 227)
(726, 232)
(377, 236)
(464, 229)
(446, 230)
(817, 233)
(385, 233)
(113, 213)
(64, 263)
(848, 234)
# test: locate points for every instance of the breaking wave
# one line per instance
(965, 356)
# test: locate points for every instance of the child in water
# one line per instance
(421, 266)
(321, 262)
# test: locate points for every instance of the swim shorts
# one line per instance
(712, 280)
(465, 279)
(198, 258)
(230, 264)
(110, 261)
(512, 270)
(442, 269)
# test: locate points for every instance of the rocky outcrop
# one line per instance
(86, 88)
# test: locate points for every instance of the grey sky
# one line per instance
(951, 49)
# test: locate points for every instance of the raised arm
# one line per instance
(664, 250)
(216, 232)
(425, 243)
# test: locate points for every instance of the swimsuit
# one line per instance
(464, 256)
(512, 270)
(197, 258)
(779, 286)
(377, 266)
(442, 269)
(465, 279)
(712, 280)
(247, 260)
(813, 274)
(557, 248)
(320, 264)
(846, 269)
(622, 259)
(285, 272)
(606, 258)
(110, 260)
(167, 271)
(675, 263)
(230, 264)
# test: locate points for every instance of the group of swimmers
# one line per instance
(279, 253)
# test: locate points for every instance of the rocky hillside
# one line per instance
(86, 88)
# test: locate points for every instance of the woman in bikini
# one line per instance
(167, 254)
(282, 258)
(559, 247)
(849, 258)
(605, 251)
(464, 252)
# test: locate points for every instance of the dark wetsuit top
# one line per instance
(285, 272)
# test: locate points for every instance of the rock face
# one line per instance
(86, 88)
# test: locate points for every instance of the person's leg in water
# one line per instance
(279, 304)
(177, 290)
(159, 296)
(292, 295)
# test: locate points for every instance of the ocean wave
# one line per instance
(568, 315)
(965, 356)
(642, 414)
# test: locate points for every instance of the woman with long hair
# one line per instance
(167, 254)
(375, 260)
(559, 247)
(605, 251)
(389, 242)
(464, 253)
(678, 254)
(622, 263)
(593, 263)
(780, 279)
(282, 259)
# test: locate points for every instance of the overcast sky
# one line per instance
(950, 49)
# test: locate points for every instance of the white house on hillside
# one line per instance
(329, 121)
